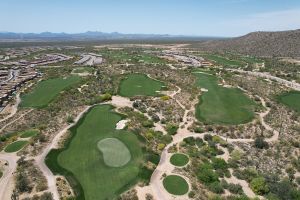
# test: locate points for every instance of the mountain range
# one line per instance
(90, 35)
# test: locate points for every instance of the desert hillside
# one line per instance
(283, 43)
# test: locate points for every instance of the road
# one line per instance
(290, 84)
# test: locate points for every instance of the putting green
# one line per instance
(222, 105)
(115, 153)
(46, 91)
(29, 133)
(291, 99)
(84, 164)
(179, 159)
(139, 85)
(176, 185)
(15, 146)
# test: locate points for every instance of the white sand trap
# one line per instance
(115, 152)
(121, 124)
(204, 90)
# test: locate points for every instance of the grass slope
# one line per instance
(139, 85)
(291, 99)
(46, 91)
(175, 185)
(15, 146)
(223, 61)
(83, 164)
(29, 133)
(179, 159)
(222, 105)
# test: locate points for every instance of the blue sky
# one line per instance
(186, 17)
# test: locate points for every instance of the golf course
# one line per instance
(99, 161)
(139, 85)
(220, 105)
(45, 91)
(291, 99)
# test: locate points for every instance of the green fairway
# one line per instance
(222, 105)
(175, 185)
(29, 133)
(179, 159)
(15, 146)
(83, 163)
(46, 91)
(115, 153)
(83, 70)
(291, 99)
(223, 61)
(139, 85)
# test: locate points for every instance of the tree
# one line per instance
(259, 186)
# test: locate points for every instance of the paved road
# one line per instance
(290, 84)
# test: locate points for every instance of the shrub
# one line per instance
(147, 123)
(172, 129)
(219, 163)
(190, 141)
(165, 98)
(236, 155)
(216, 187)
(206, 174)
(247, 174)
(161, 146)
(70, 119)
(46, 196)
(105, 97)
(235, 188)
(199, 142)
(191, 194)
(198, 130)
(260, 143)
(259, 185)
(166, 139)
(207, 137)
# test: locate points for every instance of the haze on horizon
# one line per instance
(176, 17)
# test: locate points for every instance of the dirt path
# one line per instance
(116, 101)
(40, 159)
(14, 108)
(21, 116)
(164, 166)
(7, 180)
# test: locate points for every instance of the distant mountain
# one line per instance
(280, 44)
(90, 35)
